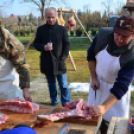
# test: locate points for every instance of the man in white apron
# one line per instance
(14, 75)
(111, 64)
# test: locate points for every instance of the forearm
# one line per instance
(21, 66)
(109, 102)
(24, 78)
(123, 80)
(92, 68)
(98, 110)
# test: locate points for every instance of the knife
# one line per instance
(95, 88)
(63, 129)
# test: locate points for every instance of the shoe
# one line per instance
(54, 104)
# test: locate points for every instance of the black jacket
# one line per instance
(52, 62)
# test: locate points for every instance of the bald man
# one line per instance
(53, 43)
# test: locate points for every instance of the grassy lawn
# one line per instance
(80, 75)
(24, 38)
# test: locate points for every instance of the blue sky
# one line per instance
(17, 8)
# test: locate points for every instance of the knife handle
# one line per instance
(95, 87)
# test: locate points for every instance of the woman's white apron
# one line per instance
(107, 68)
(9, 80)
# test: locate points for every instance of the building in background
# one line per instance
(130, 7)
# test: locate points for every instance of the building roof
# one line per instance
(130, 1)
(12, 17)
(129, 4)
(23, 17)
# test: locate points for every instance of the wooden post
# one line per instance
(66, 10)
(72, 61)
(83, 27)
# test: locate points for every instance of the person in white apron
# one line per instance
(111, 65)
(9, 80)
(14, 75)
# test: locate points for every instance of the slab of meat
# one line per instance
(20, 106)
(3, 118)
(76, 104)
(73, 111)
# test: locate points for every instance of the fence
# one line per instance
(14, 28)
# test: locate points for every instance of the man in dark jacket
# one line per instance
(53, 43)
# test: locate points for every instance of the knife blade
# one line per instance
(95, 89)
(63, 129)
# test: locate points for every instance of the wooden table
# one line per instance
(118, 125)
(50, 128)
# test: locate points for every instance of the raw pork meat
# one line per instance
(20, 106)
(75, 110)
(72, 105)
(3, 118)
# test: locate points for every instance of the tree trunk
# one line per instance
(42, 13)
(19, 28)
(24, 31)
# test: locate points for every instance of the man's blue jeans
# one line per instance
(53, 90)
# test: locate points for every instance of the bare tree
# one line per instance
(3, 4)
(79, 13)
(104, 20)
(96, 19)
(41, 4)
(86, 20)
(108, 5)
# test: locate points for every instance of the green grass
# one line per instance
(79, 44)
(132, 97)
(76, 44)
(80, 75)
(24, 39)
